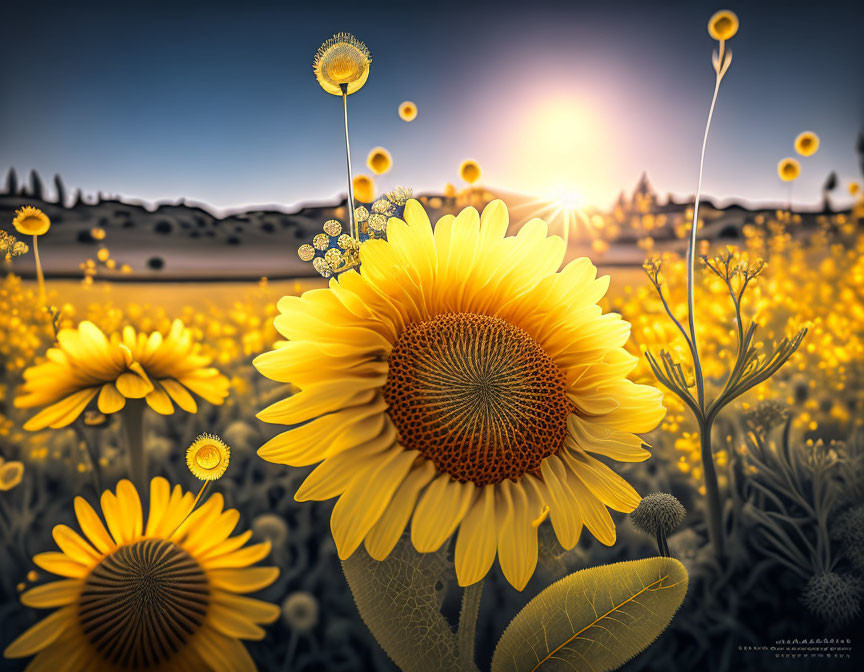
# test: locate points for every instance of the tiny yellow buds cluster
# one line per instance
(31, 221)
(207, 457)
(11, 246)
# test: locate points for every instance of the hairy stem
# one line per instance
(468, 624)
(39, 276)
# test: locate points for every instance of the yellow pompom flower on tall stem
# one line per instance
(341, 66)
(32, 221)
(461, 383)
(166, 593)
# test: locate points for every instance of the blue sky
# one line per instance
(216, 102)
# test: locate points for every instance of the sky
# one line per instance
(216, 102)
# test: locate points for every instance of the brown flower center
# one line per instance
(476, 395)
(142, 603)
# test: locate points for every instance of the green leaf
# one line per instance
(399, 600)
(595, 619)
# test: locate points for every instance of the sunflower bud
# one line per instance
(835, 598)
(659, 514)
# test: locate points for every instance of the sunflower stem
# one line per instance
(354, 234)
(468, 624)
(92, 453)
(133, 425)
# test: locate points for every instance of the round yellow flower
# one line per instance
(11, 474)
(788, 169)
(379, 161)
(407, 111)
(723, 25)
(469, 171)
(460, 381)
(85, 363)
(364, 188)
(807, 143)
(207, 457)
(151, 595)
(31, 221)
(342, 60)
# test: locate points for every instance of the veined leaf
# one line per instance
(595, 619)
(398, 601)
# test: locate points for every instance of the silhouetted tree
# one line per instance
(61, 190)
(11, 181)
(860, 149)
(78, 199)
(37, 190)
(829, 186)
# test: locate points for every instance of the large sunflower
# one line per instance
(158, 368)
(458, 380)
(144, 596)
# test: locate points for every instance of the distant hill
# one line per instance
(183, 241)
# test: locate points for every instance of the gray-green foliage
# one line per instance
(400, 604)
(595, 619)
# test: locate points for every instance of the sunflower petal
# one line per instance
(476, 543)
(439, 512)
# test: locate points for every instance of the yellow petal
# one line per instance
(563, 507)
(477, 542)
(221, 653)
(604, 484)
(595, 516)
(595, 437)
(180, 395)
(365, 499)
(133, 386)
(256, 611)
(439, 512)
(385, 534)
(160, 492)
(242, 558)
(92, 527)
(71, 543)
(159, 401)
(63, 413)
(515, 512)
(130, 507)
(110, 400)
(247, 580)
(43, 634)
(61, 564)
(231, 623)
(55, 594)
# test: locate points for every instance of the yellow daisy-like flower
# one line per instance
(723, 25)
(11, 474)
(788, 169)
(342, 60)
(207, 457)
(147, 596)
(407, 111)
(807, 143)
(31, 221)
(128, 365)
(379, 161)
(469, 171)
(460, 381)
(364, 188)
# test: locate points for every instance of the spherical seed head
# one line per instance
(207, 457)
(342, 60)
(300, 611)
(271, 527)
(835, 598)
(723, 25)
(788, 169)
(807, 143)
(379, 161)
(658, 512)
(469, 171)
(408, 111)
(31, 221)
